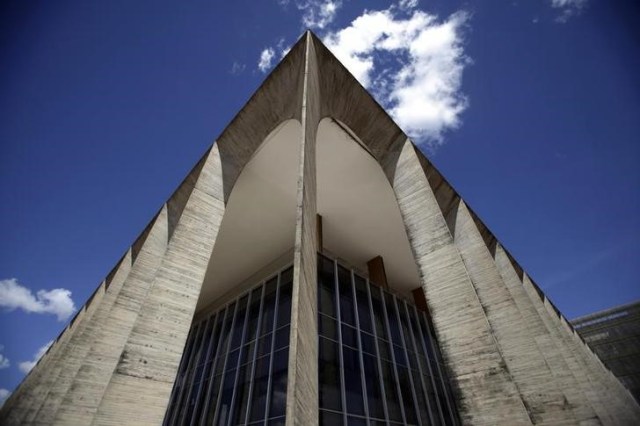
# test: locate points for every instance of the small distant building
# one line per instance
(614, 335)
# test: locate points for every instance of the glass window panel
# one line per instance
(407, 396)
(326, 287)
(347, 314)
(356, 421)
(329, 375)
(393, 319)
(238, 412)
(264, 345)
(238, 325)
(327, 327)
(362, 299)
(327, 418)
(225, 397)
(278, 397)
(284, 300)
(280, 421)
(378, 312)
(260, 388)
(269, 305)
(352, 381)
(349, 336)
(282, 338)
(393, 402)
(368, 343)
(374, 391)
(254, 313)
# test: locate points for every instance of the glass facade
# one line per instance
(378, 360)
(234, 366)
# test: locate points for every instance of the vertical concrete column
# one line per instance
(562, 375)
(485, 390)
(112, 328)
(581, 375)
(139, 389)
(544, 401)
(618, 409)
(302, 379)
(60, 381)
(624, 394)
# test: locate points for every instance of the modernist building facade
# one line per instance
(614, 335)
(314, 267)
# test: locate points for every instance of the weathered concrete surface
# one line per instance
(83, 397)
(485, 391)
(38, 382)
(302, 379)
(527, 368)
(562, 377)
(580, 373)
(78, 347)
(149, 361)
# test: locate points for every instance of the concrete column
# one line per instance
(78, 347)
(562, 375)
(614, 401)
(139, 389)
(485, 390)
(112, 329)
(581, 375)
(544, 401)
(302, 379)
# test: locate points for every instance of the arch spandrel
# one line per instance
(278, 99)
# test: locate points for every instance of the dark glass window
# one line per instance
(234, 367)
(377, 360)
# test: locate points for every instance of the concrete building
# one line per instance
(614, 335)
(314, 267)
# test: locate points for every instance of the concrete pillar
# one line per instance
(585, 383)
(139, 389)
(76, 351)
(486, 393)
(81, 401)
(302, 379)
(562, 375)
(544, 400)
(618, 408)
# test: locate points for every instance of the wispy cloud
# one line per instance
(4, 361)
(26, 366)
(266, 58)
(15, 296)
(316, 14)
(237, 68)
(568, 8)
(4, 394)
(413, 65)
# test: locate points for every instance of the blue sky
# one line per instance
(531, 109)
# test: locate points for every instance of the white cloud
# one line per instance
(413, 65)
(57, 301)
(568, 8)
(26, 366)
(316, 14)
(407, 4)
(4, 394)
(4, 361)
(266, 58)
